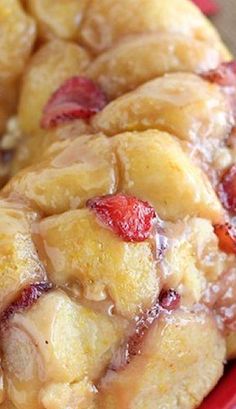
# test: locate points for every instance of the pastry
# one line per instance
(117, 223)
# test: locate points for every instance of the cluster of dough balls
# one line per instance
(161, 138)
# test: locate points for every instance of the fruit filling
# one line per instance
(27, 298)
(227, 189)
(224, 74)
(168, 300)
(130, 218)
(77, 98)
(227, 237)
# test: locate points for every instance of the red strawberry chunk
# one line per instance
(143, 324)
(227, 189)
(130, 218)
(227, 237)
(77, 98)
(26, 299)
(224, 74)
(133, 345)
(208, 7)
(169, 300)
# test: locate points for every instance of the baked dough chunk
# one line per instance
(28, 152)
(107, 21)
(180, 361)
(15, 44)
(17, 36)
(49, 67)
(150, 165)
(117, 239)
(65, 342)
(19, 263)
(154, 167)
(69, 175)
(142, 57)
(198, 112)
(63, 395)
(79, 249)
(192, 259)
(181, 103)
(57, 18)
(80, 252)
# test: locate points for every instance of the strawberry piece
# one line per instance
(143, 324)
(227, 189)
(77, 98)
(208, 7)
(128, 217)
(224, 74)
(25, 300)
(133, 345)
(169, 300)
(227, 237)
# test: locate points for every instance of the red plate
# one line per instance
(224, 395)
